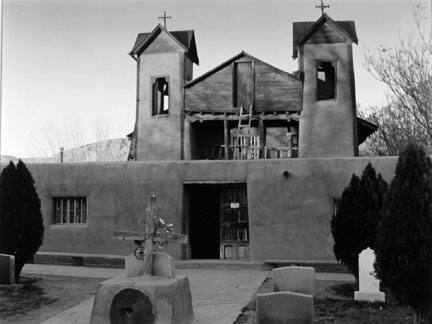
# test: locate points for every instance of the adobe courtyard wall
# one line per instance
(289, 218)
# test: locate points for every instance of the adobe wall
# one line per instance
(289, 217)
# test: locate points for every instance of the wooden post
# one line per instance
(261, 136)
(149, 229)
(226, 139)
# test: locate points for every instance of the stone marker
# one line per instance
(294, 279)
(284, 307)
(368, 284)
(150, 292)
(7, 269)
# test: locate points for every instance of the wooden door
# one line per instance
(244, 84)
(234, 229)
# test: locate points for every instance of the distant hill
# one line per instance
(108, 150)
(7, 158)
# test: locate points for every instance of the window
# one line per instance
(70, 210)
(326, 81)
(160, 97)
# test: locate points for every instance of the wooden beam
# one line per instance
(204, 117)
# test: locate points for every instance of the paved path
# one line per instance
(217, 295)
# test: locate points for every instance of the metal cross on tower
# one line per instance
(165, 17)
(322, 6)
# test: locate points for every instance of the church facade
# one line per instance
(246, 108)
(246, 159)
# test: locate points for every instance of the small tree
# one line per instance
(21, 225)
(372, 188)
(404, 242)
(30, 232)
(354, 226)
(9, 209)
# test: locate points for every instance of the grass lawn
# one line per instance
(42, 297)
(334, 303)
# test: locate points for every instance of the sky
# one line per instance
(66, 64)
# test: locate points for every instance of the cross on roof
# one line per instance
(165, 17)
(322, 6)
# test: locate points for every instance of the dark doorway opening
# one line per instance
(204, 221)
(218, 221)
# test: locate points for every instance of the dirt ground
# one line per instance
(334, 303)
(42, 297)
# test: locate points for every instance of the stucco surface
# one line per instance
(289, 218)
(328, 127)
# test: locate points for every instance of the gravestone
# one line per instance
(7, 269)
(368, 284)
(150, 292)
(284, 307)
(294, 279)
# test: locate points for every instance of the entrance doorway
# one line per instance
(218, 221)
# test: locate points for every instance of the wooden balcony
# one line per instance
(244, 152)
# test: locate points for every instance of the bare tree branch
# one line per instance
(407, 71)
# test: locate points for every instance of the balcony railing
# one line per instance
(244, 152)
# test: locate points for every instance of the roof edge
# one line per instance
(151, 37)
(315, 26)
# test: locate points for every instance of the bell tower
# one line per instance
(164, 64)
(328, 120)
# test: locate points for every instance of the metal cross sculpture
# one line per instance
(322, 6)
(156, 233)
(165, 17)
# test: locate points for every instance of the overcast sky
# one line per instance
(68, 60)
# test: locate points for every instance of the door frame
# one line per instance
(186, 223)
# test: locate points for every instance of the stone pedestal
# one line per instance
(7, 269)
(143, 299)
(370, 296)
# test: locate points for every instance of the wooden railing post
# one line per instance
(261, 136)
(226, 139)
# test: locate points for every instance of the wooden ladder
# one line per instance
(248, 123)
(244, 141)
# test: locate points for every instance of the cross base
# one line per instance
(162, 265)
(143, 299)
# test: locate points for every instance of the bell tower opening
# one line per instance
(326, 81)
(160, 96)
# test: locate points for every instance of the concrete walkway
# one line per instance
(217, 295)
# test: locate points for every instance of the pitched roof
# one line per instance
(228, 62)
(364, 129)
(185, 38)
(303, 30)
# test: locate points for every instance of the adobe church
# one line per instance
(246, 108)
(246, 159)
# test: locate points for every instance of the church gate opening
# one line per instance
(218, 221)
